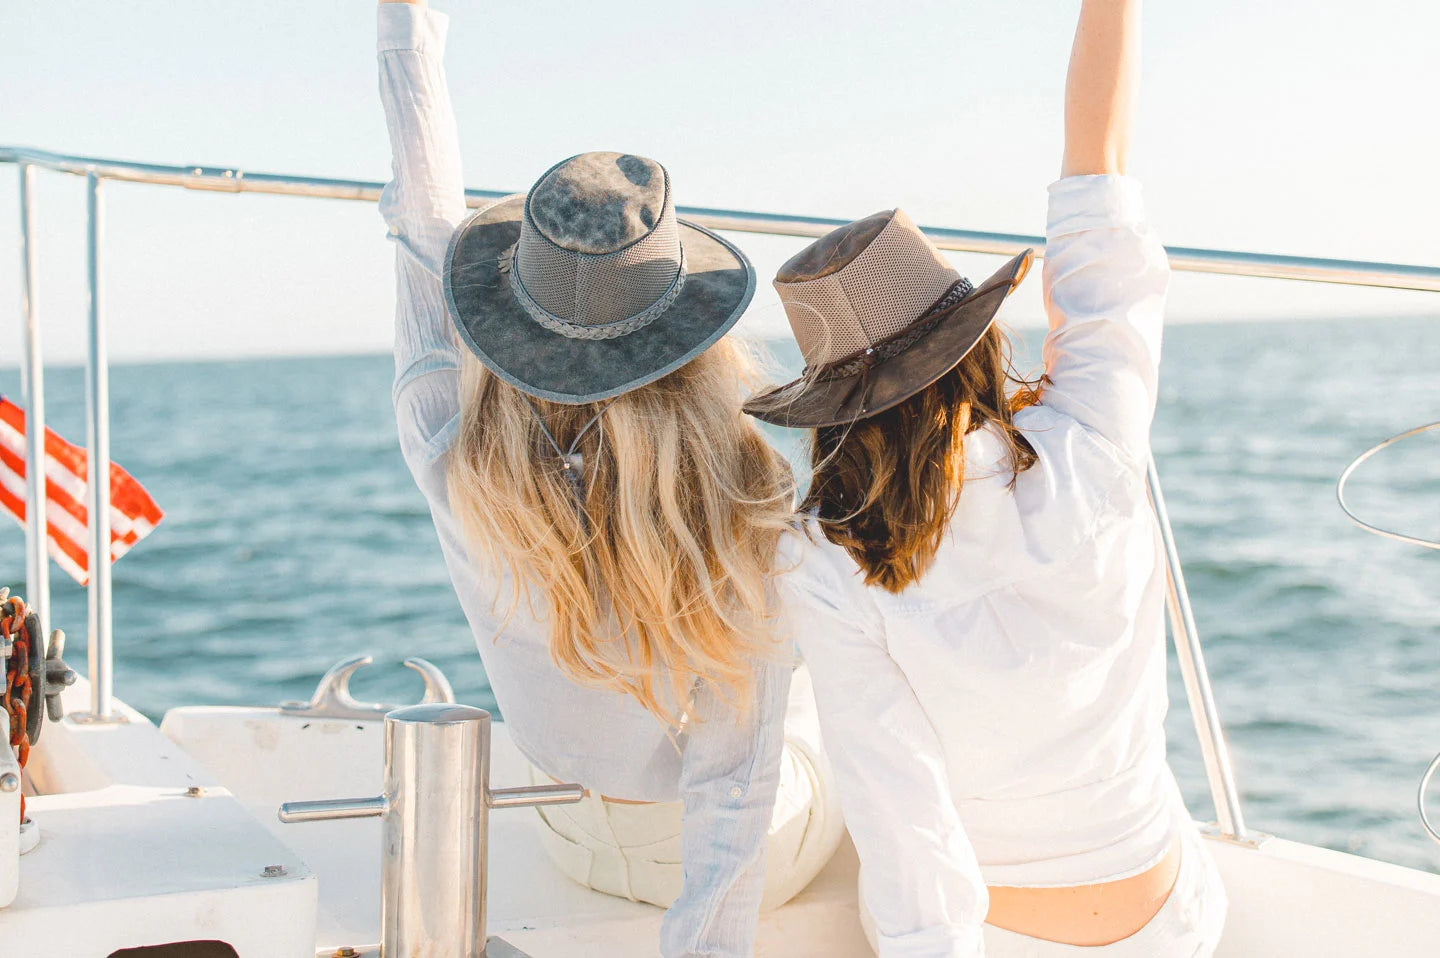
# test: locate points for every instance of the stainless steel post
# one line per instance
(433, 847)
(435, 817)
(32, 390)
(1203, 711)
(97, 421)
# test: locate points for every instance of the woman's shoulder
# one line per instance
(1070, 453)
(810, 565)
(805, 556)
(1008, 528)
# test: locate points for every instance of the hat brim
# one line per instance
(719, 283)
(811, 402)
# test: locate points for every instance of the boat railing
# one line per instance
(97, 171)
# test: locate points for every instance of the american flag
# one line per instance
(133, 514)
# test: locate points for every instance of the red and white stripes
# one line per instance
(133, 514)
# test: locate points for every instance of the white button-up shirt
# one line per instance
(723, 766)
(1001, 720)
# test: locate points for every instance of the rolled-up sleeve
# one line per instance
(1105, 280)
(422, 204)
(920, 879)
(728, 782)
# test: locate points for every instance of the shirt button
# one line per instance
(736, 792)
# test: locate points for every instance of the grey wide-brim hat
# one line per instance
(879, 314)
(589, 286)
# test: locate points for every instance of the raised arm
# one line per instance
(1106, 274)
(422, 204)
(1101, 86)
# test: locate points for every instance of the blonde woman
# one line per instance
(990, 660)
(570, 409)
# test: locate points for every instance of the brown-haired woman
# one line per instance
(984, 588)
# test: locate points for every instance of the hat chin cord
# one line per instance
(572, 463)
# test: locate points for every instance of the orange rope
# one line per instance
(17, 680)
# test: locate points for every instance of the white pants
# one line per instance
(633, 851)
(1188, 925)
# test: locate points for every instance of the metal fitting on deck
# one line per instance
(435, 819)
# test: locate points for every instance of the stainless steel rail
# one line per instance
(1218, 771)
(1230, 262)
(232, 180)
(97, 480)
(37, 528)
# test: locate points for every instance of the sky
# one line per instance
(1270, 125)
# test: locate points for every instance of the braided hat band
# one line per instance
(571, 330)
(896, 344)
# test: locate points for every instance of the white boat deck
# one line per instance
(128, 858)
(531, 904)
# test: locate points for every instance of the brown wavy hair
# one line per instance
(886, 487)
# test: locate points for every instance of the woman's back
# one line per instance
(1035, 646)
(994, 694)
(602, 738)
(569, 406)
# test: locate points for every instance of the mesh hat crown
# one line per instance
(599, 253)
(590, 285)
(861, 284)
(879, 314)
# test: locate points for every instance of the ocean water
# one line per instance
(294, 537)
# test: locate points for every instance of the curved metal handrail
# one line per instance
(1355, 464)
(1420, 799)
(1398, 537)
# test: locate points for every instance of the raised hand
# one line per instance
(1100, 89)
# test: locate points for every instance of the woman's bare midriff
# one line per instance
(1086, 914)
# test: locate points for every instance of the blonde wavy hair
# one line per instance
(663, 582)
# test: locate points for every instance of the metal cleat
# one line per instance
(332, 698)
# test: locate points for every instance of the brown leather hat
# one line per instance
(879, 314)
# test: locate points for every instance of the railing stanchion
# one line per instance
(97, 422)
(32, 390)
(1218, 771)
